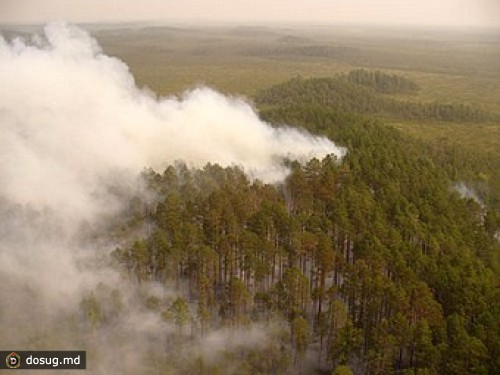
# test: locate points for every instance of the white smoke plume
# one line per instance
(72, 123)
(467, 192)
(70, 114)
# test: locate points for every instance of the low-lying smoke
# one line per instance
(467, 192)
(73, 122)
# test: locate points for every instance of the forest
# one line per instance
(373, 264)
(161, 207)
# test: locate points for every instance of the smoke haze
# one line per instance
(72, 124)
(467, 192)
(407, 12)
(71, 114)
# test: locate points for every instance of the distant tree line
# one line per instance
(382, 82)
(302, 51)
(360, 92)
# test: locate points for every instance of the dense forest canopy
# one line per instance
(373, 263)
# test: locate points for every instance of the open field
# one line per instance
(448, 66)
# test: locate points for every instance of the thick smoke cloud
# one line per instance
(70, 115)
(73, 123)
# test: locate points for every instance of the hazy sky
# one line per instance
(411, 12)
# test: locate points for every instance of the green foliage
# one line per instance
(381, 268)
(101, 306)
(357, 93)
(179, 312)
(342, 370)
(382, 82)
(301, 335)
(92, 310)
